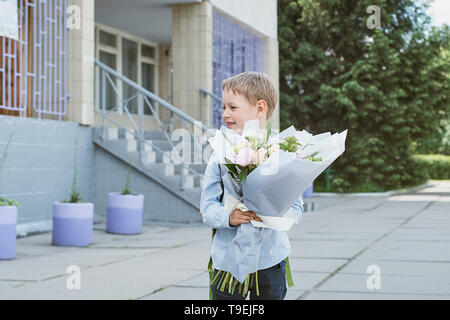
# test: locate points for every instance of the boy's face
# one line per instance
(237, 110)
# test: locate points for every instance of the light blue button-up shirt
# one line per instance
(275, 246)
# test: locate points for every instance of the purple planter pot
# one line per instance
(8, 222)
(309, 192)
(125, 213)
(73, 224)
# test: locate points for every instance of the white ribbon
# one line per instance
(276, 223)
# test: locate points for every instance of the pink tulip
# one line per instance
(260, 156)
(244, 157)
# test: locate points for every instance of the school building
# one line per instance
(115, 80)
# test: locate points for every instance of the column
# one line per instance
(80, 65)
(192, 57)
(271, 67)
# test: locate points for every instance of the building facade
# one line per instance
(120, 77)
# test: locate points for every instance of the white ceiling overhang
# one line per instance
(149, 19)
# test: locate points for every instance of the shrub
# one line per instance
(436, 166)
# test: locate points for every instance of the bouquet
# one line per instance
(266, 174)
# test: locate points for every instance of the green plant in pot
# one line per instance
(125, 210)
(8, 218)
(73, 219)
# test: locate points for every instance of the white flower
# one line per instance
(273, 148)
(259, 156)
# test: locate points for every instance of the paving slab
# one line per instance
(179, 293)
(315, 265)
(342, 249)
(336, 236)
(46, 267)
(406, 284)
(339, 295)
(400, 268)
(123, 280)
(199, 281)
(408, 250)
(407, 236)
(420, 234)
(294, 294)
(307, 280)
(6, 285)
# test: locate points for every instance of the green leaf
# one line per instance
(243, 174)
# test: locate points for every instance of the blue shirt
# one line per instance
(275, 246)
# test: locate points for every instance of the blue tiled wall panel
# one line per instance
(39, 167)
(159, 203)
(235, 50)
(39, 170)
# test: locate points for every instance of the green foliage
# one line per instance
(436, 166)
(75, 196)
(389, 87)
(290, 144)
(127, 190)
(8, 202)
(436, 143)
(4, 201)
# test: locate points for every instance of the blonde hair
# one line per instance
(254, 86)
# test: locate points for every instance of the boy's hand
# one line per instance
(238, 217)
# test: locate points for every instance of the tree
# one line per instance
(384, 85)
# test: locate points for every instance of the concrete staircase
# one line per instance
(154, 166)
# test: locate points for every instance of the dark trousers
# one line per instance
(272, 286)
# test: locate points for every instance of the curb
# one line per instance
(371, 194)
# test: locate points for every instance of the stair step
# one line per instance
(111, 133)
(148, 145)
(155, 135)
(199, 168)
(149, 157)
(163, 145)
(124, 144)
(121, 144)
(188, 182)
(173, 172)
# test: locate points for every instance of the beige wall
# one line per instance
(165, 91)
(192, 56)
(80, 66)
(258, 15)
(271, 67)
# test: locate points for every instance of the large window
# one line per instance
(235, 50)
(134, 58)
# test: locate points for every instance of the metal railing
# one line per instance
(214, 104)
(146, 99)
(33, 69)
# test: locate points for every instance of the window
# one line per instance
(134, 58)
(235, 50)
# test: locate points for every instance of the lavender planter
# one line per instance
(309, 192)
(73, 224)
(8, 221)
(124, 214)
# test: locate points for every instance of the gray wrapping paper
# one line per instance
(270, 190)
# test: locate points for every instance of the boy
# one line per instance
(247, 96)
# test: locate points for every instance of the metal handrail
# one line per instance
(107, 72)
(151, 95)
(205, 93)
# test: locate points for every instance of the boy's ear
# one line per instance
(261, 106)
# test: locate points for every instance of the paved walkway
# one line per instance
(404, 237)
